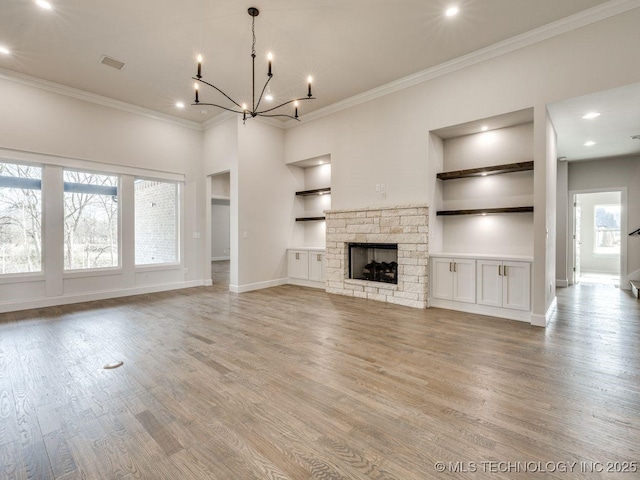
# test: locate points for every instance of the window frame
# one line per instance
(596, 252)
(90, 272)
(24, 277)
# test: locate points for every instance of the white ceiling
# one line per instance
(348, 46)
(619, 120)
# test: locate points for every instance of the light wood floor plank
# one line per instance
(291, 383)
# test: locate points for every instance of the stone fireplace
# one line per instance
(380, 229)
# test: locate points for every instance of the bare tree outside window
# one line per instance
(20, 219)
(90, 220)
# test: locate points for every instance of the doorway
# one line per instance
(220, 229)
(598, 241)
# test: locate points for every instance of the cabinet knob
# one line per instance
(500, 270)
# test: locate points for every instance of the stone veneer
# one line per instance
(405, 225)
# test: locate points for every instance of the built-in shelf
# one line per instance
(481, 211)
(635, 233)
(315, 191)
(491, 170)
(309, 219)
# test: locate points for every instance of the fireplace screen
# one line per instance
(376, 262)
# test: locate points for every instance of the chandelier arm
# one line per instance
(262, 93)
(213, 86)
(286, 103)
(278, 115)
(199, 104)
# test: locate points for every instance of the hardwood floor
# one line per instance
(293, 383)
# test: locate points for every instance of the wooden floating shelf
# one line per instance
(482, 171)
(487, 211)
(310, 219)
(317, 191)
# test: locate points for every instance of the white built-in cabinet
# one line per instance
(484, 284)
(306, 266)
(504, 284)
(454, 279)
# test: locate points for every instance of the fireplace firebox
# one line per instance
(375, 262)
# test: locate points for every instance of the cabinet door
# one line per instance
(489, 283)
(442, 272)
(316, 266)
(516, 285)
(298, 264)
(464, 280)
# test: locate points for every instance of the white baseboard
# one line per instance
(306, 283)
(220, 259)
(257, 286)
(543, 320)
(562, 283)
(92, 296)
(207, 283)
(519, 315)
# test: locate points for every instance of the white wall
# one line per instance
(387, 139)
(614, 173)
(58, 130)
(266, 200)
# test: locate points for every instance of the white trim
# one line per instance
(30, 303)
(301, 282)
(257, 286)
(14, 155)
(498, 312)
(220, 259)
(543, 320)
(218, 119)
(562, 283)
(545, 32)
(60, 89)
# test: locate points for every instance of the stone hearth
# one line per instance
(405, 225)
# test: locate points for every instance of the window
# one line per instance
(607, 229)
(90, 220)
(156, 217)
(20, 218)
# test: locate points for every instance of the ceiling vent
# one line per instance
(112, 62)
(635, 137)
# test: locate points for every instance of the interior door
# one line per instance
(576, 239)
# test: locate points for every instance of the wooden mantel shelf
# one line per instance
(491, 170)
(483, 211)
(309, 219)
(315, 191)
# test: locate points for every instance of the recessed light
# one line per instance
(268, 97)
(591, 115)
(320, 162)
(179, 104)
(483, 174)
(589, 144)
(44, 4)
(452, 11)
(484, 128)
(4, 50)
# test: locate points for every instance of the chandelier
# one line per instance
(254, 110)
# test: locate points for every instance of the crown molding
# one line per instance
(60, 89)
(553, 29)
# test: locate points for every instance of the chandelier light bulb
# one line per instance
(199, 74)
(244, 106)
(4, 50)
